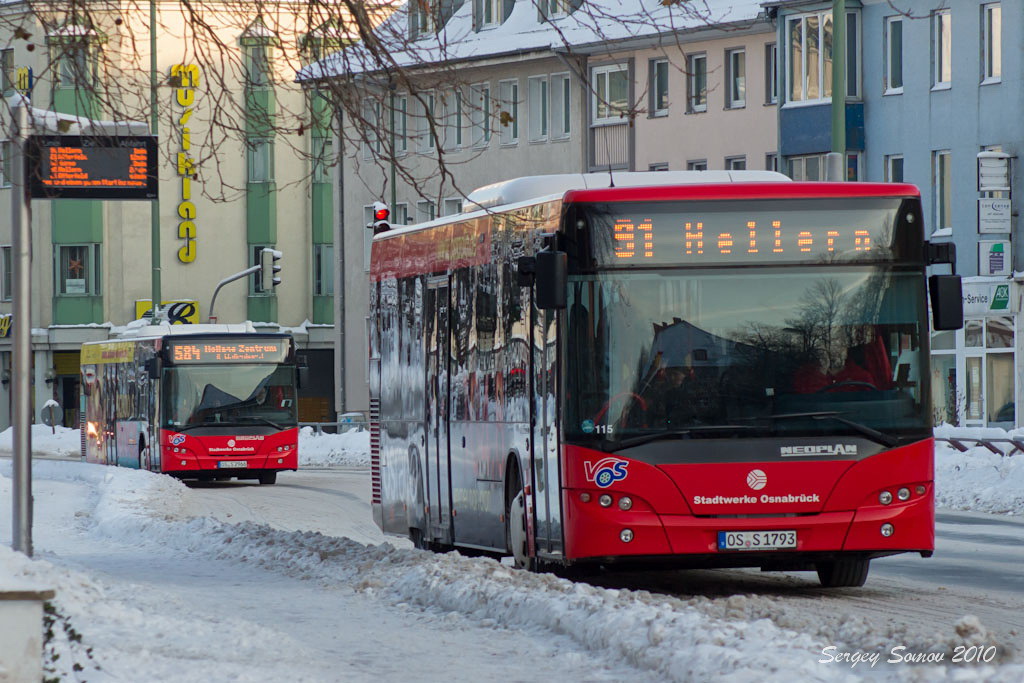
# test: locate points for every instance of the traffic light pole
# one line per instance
(266, 269)
(21, 386)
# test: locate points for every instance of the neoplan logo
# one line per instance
(824, 449)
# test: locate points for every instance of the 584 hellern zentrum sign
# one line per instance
(92, 167)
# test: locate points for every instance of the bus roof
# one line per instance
(769, 190)
(134, 332)
(535, 187)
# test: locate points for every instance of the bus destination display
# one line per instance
(101, 167)
(694, 234)
(229, 351)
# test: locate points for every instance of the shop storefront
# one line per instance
(976, 373)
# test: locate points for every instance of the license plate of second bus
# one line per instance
(232, 463)
(756, 540)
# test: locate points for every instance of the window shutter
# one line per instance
(447, 9)
(478, 14)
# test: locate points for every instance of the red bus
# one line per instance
(193, 401)
(681, 369)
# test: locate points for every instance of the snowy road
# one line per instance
(236, 581)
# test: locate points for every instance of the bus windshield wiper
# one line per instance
(673, 434)
(873, 434)
(231, 423)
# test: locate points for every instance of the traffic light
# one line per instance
(381, 218)
(269, 269)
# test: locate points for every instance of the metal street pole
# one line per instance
(838, 89)
(21, 386)
(154, 205)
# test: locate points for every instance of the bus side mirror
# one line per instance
(551, 278)
(153, 367)
(301, 375)
(947, 302)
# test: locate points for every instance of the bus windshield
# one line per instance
(721, 352)
(235, 395)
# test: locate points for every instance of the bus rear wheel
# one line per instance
(268, 478)
(515, 523)
(843, 573)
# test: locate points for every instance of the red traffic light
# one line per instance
(381, 214)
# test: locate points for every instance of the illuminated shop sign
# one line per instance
(185, 78)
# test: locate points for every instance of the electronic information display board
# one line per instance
(228, 350)
(92, 167)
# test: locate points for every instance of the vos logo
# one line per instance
(606, 471)
(178, 439)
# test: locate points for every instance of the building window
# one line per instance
(610, 99)
(893, 55)
(658, 87)
(992, 42)
(400, 216)
(422, 17)
(323, 269)
(697, 165)
(810, 57)
(942, 192)
(942, 45)
(5, 163)
(852, 167)
(808, 167)
(260, 152)
(555, 8)
(426, 210)
(7, 82)
(894, 168)
(697, 83)
(481, 113)
(452, 206)
(78, 267)
(6, 283)
(561, 107)
(771, 73)
(427, 122)
(490, 13)
(258, 60)
(508, 120)
(771, 161)
(661, 166)
(736, 77)
(538, 94)
(77, 65)
(738, 163)
(323, 158)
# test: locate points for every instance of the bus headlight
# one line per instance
(903, 493)
(884, 497)
(605, 500)
(625, 503)
(888, 529)
(626, 535)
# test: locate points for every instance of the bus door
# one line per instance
(438, 476)
(546, 479)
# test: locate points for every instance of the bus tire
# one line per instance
(515, 522)
(843, 573)
(268, 478)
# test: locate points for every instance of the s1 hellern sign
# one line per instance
(92, 167)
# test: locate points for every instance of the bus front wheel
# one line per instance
(268, 478)
(515, 522)
(843, 573)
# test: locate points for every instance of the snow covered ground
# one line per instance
(979, 480)
(160, 590)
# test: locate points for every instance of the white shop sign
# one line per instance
(994, 215)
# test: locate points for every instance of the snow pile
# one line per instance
(351, 448)
(667, 637)
(47, 441)
(978, 479)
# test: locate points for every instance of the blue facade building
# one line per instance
(931, 84)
